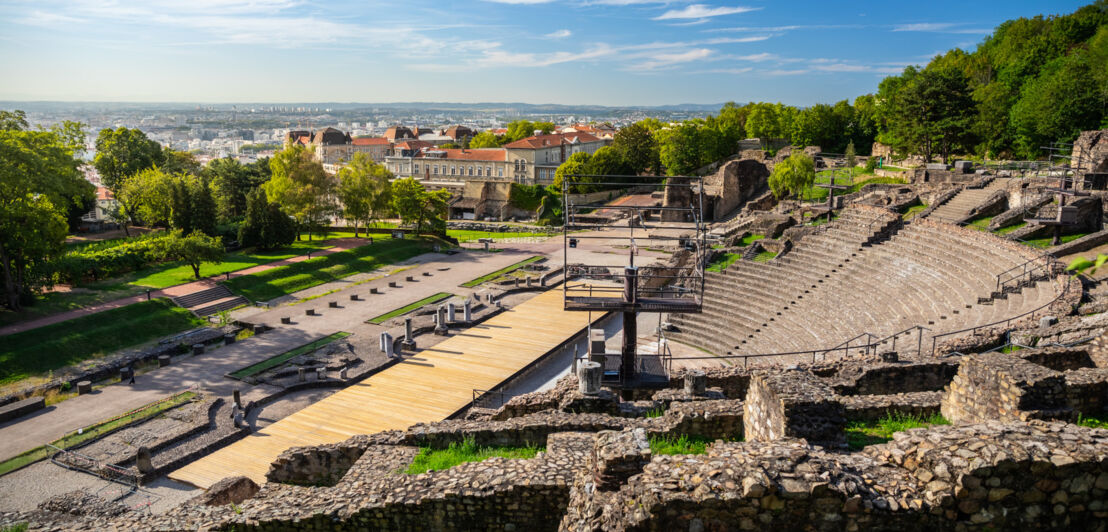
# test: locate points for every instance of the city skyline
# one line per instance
(603, 52)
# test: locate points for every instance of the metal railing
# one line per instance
(484, 398)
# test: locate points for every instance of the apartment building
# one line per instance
(534, 160)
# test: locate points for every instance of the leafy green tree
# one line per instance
(637, 146)
(301, 187)
(364, 190)
(1060, 103)
(231, 181)
(202, 208)
(544, 128)
(415, 205)
(179, 162)
(120, 154)
(195, 249)
(794, 175)
(39, 181)
(576, 164)
(607, 161)
(149, 194)
(521, 129)
(265, 226)
(851, 159)
(484, 139)
(13, 120)
(450, 146)
(679, 149)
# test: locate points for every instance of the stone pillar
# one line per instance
(427, 274)
(392, 284)
(309, 312)
(197, 349)
(236, 415)
(163, 361)
(259, 329)
(320, 374)
(373, 291)
(286, 320)
(588, 378)
(387, 338)
(84, 387)
(696, 382)
(126, 373)
(333, 304)
(408, 336)
(451, 311)
(354, 297)
(467, 310)
(300, 375)
(228, 338)
(409, 278)
(236, 396)
(143, 462)
(596, 341)
(486, 245)
(440, 321)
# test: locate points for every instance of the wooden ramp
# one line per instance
(429, 386)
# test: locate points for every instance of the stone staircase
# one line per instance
(210, 301)
(853, 279)
(958, 208)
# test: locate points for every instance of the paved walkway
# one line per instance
(340, 244)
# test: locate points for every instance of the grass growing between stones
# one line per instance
(1092, 422)
(408, 308)
(860, 434)
(980, 224)
(459, 453)
(750, 239)
(271, 284)
(95, 431)
(683, 444)
(721, 262)
(50, 347)
(913, 211)
(273, 362)
(764, 256)
(1043, 243)
(501, 271)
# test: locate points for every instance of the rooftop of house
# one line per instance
(554, 139)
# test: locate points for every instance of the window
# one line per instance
(488, 171)
(452, 172)
(435, 169)
(478, 171)
(500, 173)
(415, 168)
(470, 170)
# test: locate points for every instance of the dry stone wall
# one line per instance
(793, 404)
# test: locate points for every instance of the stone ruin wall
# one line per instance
(597, 472)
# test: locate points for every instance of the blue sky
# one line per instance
(607, 52)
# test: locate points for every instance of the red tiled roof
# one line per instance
(371, 141)
(481, 154)
(413, 145)
(555, 139)
(102, 193)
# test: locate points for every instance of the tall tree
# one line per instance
(202, 209)
(607, 161)
(484, 139)
(576, 164)
(364, 190)
(265, 226)
(680, 149)
(793, 175)
(637, 146)
(415, 205)
(120, 154)
(39, 181)
(301, 187)
(195, 249)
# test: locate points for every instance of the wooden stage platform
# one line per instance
(429, 386)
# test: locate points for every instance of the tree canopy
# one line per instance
(301, 187)
(417, 206)
(364, 190)
(793, 175)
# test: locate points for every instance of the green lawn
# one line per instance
(683, 444)
(860, 180)
(275, 361)
(1011, 228)
(1043, 243)
(980, 224)
(764, 256)
(175, 273)
(913, 211)
(40, 350)
(95, 431)
(859, 435)
(458, 453)
(408, 308)
(81, 297)
(472, 236)
(501, 271)
(270, 284)
(750, 239)
(722, 262)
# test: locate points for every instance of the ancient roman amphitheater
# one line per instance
(909, 364)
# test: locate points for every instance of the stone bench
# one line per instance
(21, 408)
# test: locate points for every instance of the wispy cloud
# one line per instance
(782, 72)
(560, 34)
(702, 11)
(941, 27)
(666, 60)
(523, 2)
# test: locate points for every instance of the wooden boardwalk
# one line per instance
(429, 386)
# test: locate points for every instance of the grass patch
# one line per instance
(855, 184)
(472, 236)
(750, 239)
(980, 224)
(501, 271)
(683, 444)
(1043, 243)
(275, 361)
(1011, 228)
(861, 434)
(408, 308)
(459, 453)
(764, 256)
(95, 431)
(913, 211)
(284, 280)
(175, 273)
(50, 347)
(721, 262)
(1092, 422)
